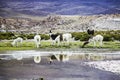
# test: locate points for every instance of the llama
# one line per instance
(67, 37)
(56, 38)
(37, 39)
(90, 33)
(16, 41)
(95, 39)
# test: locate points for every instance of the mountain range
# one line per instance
(10, 8)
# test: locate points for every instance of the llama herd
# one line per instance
(19, 40)
(93, 39)
(64, 38)
(56, 38)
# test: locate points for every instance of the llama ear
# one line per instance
(50, 31)
(88, 30)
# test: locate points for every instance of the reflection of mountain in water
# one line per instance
(64, 7)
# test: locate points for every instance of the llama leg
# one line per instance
(64, 42)
(39, 42)
(58, 42)
(16, 44)
(53, 41)
(100, 43)
(94, 43)
(13, 43)
(68, 42)
(20, 43)
(37, 45)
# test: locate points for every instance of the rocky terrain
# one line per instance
(112, 65)
(60, 23)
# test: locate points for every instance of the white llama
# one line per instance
(67, 37)
(37, 39)
(16, 41)
(97, 38)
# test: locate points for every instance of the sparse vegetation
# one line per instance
(108, 35)
(82, 36)
(9, 35)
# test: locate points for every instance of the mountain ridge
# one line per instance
(60, 7)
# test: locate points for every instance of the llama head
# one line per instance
(90, 31)
(50, 32)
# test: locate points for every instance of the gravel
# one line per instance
(112, 66)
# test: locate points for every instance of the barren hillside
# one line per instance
(60, 23)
